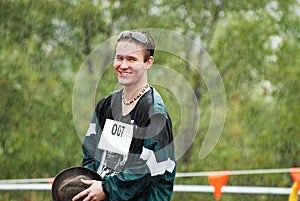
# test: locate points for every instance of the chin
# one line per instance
(124, 82)
(121, 82)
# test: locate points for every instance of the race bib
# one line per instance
(116, 137)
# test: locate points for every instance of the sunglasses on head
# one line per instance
(138, 36)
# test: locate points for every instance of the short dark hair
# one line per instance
(141, 38)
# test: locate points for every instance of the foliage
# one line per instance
(254, 44)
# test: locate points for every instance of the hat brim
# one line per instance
(71, 172)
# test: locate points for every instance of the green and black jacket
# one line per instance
(149, 171)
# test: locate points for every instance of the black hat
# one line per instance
(67, 183)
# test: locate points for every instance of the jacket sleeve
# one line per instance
(89, 146)
(91, 154)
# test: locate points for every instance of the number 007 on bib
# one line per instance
(116, 137)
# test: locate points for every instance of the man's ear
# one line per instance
(149, 62)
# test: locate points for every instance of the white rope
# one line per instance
(233, 189)
(177, 188)
(237, 172)
(25, 186)
(20, 181)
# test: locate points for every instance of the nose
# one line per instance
(124, 64)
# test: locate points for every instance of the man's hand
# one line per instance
(94, 192)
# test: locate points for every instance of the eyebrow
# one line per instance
(126, 56)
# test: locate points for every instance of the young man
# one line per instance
(130, 141)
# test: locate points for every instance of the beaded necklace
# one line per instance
(135, 98)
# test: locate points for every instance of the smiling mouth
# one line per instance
(125, 73)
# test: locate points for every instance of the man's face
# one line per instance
(129, 65)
